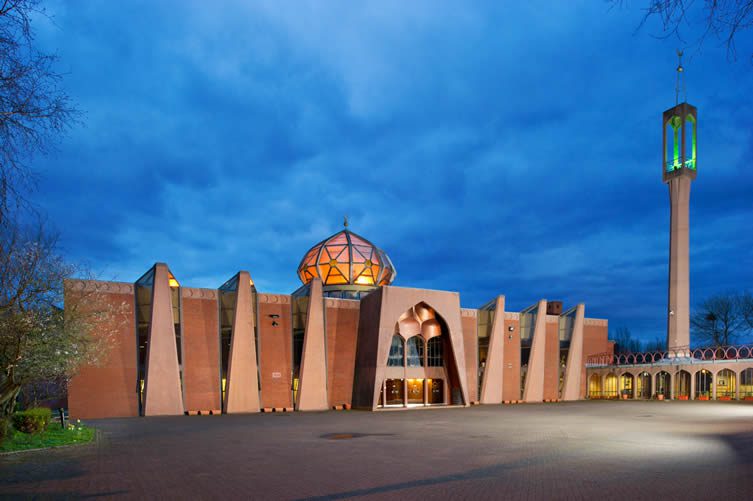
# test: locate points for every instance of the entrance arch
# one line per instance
(663, 385)
(627, 386)
(682, 385)
(703, 381)
(594, 387)
(643, 386)
(725, 385)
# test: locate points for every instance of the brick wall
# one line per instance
(342, 336)
(594, 342)
(275, 351)
(201, 357)
(552, 362)
(108, 390)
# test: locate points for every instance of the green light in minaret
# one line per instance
(679, 128)
(680, 125)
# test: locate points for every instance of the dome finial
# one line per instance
(345, 221)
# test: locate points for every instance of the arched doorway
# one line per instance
(610, 386)
(643, 386)
(663, 385)
(703, 380)
(725, 385)
(420, 369)
(594, 387)
(682, 385)
(626, 386)
(746, 384)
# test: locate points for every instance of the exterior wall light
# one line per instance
(511, 328)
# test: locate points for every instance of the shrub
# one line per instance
(33, 420)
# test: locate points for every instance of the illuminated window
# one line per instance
(396, 358)
(434, 352)
(415, 352)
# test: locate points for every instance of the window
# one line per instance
(416, 352)
(434, 352)
(396, 352)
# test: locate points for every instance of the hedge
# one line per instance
(33, 420)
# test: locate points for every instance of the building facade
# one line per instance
(347, 337)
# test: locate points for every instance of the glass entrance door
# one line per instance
(394, 391)
(435, 388)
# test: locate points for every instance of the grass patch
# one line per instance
(53, 436)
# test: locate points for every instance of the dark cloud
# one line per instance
(489, 149)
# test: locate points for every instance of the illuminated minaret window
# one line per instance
(678, 170)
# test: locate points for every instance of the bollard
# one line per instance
(62, 417)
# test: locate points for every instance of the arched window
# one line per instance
(610, 386)
(434, 352)
(396, 352)
(663, 384)
(594, 386)
(725, 385)
(416, 351)
(643, 385)
(746, 384)
(626, 385)
(682, 385)
(703, 381)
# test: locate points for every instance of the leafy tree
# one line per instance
(39, 340)
(34, 109)
(718, 320)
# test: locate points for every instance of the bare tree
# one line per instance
(624, 341)
(39, 339)
(746, 308)
(33, 107)
(718, 320)
(723, 19)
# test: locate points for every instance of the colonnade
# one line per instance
(711, 382)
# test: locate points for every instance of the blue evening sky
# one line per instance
(488, 149)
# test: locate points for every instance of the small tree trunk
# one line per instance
(9, 391)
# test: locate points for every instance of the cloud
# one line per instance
(488, 149)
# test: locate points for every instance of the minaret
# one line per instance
(678, 170)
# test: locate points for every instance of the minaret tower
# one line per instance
(678, 170)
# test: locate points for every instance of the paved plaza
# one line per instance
(596, 450)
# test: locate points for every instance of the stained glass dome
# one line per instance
(347, 259)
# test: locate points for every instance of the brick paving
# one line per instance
(581, 450)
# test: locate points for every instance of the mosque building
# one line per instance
(346, 338)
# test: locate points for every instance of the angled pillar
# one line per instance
(574, 370)
(534, 387)
(491, 386)
(162, 389)
(312, 391)
(242, 393)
